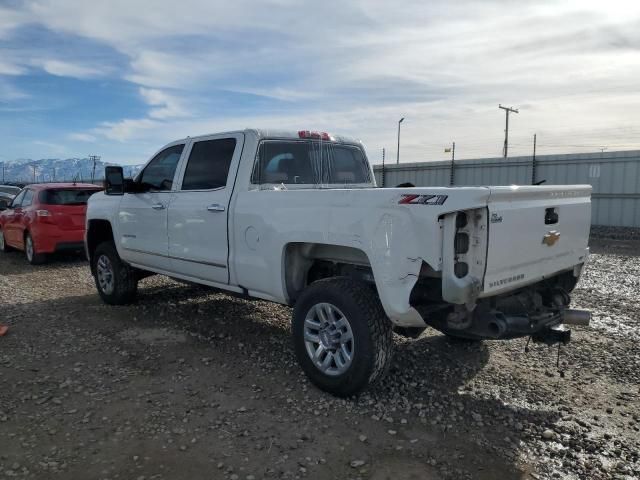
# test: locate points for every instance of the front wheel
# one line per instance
(30, 251)
(116, 281)
(3, 244)
(342, 337)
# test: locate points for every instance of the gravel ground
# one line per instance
(187, 383)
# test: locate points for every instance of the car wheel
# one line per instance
(116, 281)
(342, 337)
(3, 244)
(30, 251)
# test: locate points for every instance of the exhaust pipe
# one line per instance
(577, 317)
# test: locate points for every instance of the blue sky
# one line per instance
(121, 78)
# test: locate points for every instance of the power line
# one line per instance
(94, 159)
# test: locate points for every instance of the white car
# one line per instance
(296, 218)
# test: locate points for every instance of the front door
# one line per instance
(142, 217)
(198, 243)
(13, 224)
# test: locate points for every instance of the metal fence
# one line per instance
(615, 177)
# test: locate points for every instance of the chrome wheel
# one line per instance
(28, 248)
(104, 273)
(328, 339)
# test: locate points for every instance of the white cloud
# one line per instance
(164, 105)
(9, 68)
(67, 69)
(82, 137)
(10, 19)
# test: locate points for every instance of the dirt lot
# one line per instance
(190, 384)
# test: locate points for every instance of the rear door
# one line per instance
(198, 213)
(142, 218)
(535, 232)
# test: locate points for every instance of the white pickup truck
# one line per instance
(296, 218)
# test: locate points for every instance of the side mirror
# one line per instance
(3, 205)
(113, 180)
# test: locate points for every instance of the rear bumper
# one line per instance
(50, 240)
(66, 246)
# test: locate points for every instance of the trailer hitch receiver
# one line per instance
(553, 335)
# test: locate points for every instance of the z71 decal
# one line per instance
(413, 199)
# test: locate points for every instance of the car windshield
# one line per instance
(69, 196)
(310, 163)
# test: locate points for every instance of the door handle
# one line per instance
(215, 207)
(158, 206)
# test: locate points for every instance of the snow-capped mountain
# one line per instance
(57, 169)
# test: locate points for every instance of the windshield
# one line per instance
(310, 163)
(66, 196)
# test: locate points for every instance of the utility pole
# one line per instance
(507, 110)
(533, 162)
(34, 173)
(94, 159)
(383, 155)
(398, 151)
(453, 159)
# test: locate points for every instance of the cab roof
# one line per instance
(263, 133)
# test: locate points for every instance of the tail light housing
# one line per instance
(44, 216)
(315, 135)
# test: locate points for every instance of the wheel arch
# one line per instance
(305, 262)
(98, 231)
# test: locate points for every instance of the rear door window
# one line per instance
(159, 173)
(208, 165)
(61, 196)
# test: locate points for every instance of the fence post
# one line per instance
(382, 182)
(533, 162)
(453, 158)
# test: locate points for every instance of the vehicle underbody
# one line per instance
(537, 310)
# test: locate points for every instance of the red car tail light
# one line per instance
(44, 216)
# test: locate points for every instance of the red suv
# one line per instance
(46, 218)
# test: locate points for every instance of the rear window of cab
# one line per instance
(66, 196)
(309, 162)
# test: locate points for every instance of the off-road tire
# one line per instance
(125, 277)
(372, 334)
(32, 257)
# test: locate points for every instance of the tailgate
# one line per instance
(535, 232)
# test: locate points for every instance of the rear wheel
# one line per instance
(341, 335)
(30, 251)
(116, 281)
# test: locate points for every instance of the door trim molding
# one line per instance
(211, 264)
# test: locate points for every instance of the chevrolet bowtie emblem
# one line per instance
(551, 238)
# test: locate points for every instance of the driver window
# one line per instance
(18, 200)
(159, 173)
(28, 198)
